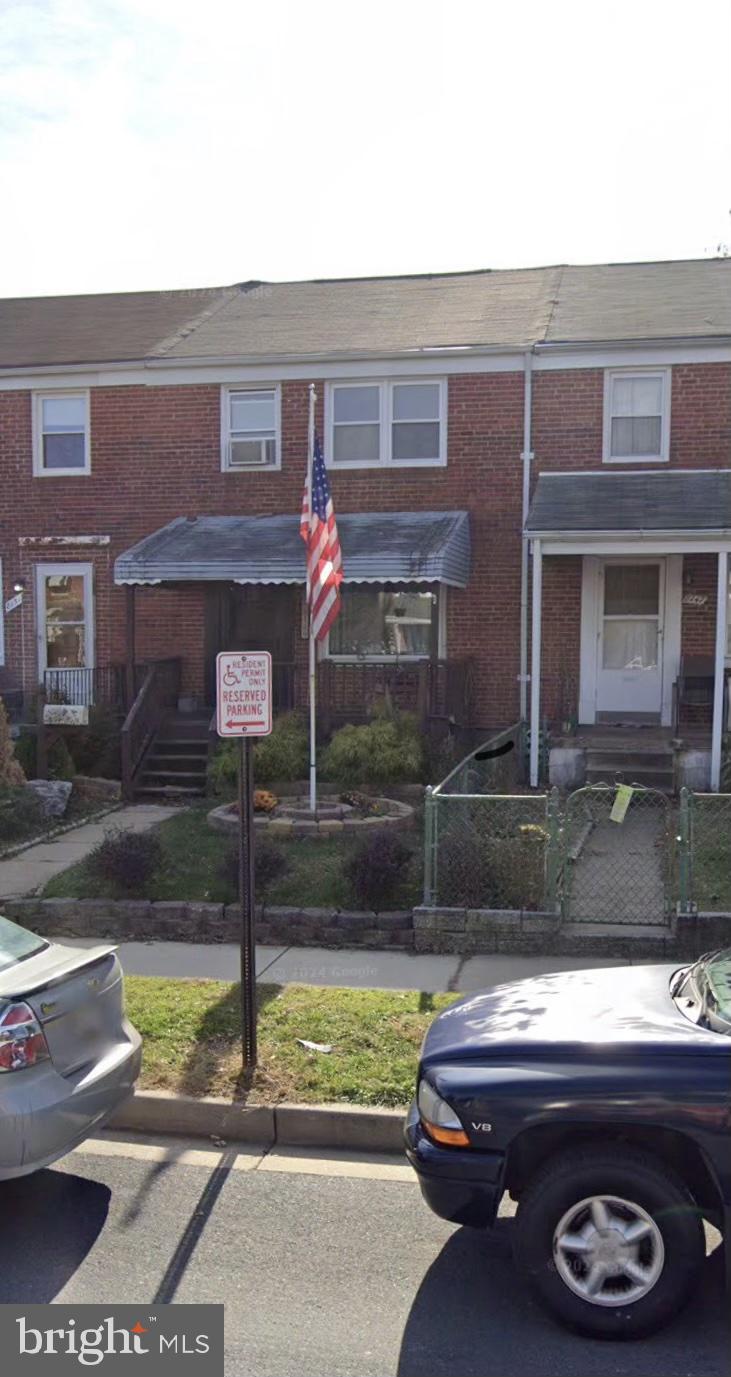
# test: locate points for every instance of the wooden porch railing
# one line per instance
(348, 689)
(156, 697)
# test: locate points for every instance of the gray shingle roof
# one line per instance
(410, 547)
(672, 500)
(511, 308)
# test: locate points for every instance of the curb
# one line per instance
(345, 1127)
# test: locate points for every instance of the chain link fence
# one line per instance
(599, 855)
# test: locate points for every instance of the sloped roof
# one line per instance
(510, 309)
(656, 500)
(399, 547)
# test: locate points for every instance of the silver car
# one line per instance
(68, 1055)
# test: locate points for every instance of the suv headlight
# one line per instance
(439, 1119)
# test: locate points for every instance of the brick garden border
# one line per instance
(458, 932)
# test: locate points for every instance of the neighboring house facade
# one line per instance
(531, 472)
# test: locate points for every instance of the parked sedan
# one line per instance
(601, 1101)
(68, 1055)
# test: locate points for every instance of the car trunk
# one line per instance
(80, 1010)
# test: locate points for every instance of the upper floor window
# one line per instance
(636, 415)
(250, 428)
(399, 423)
(61, 433)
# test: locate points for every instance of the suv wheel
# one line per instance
(611, 1242)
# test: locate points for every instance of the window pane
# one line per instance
(252, 411)
(374, 622)
(637, 397)
(356, 444)
(65, 598)
(418, 440)
(65, 647)
(64, 451)
(416, 402)
(64, 413)
(356, 403)
(631, 590)
(630, 645)
(636, 435)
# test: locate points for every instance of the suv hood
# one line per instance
(628, 1006)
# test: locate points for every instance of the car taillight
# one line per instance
(22, 1041)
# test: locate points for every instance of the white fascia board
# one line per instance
(631, 543)
(166, 372)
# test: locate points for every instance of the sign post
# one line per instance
(244, 710)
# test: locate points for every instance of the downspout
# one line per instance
(526, 456)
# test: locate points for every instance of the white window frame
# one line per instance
(611, 375)
(53, 394)
(44, 571)
(385, 459)
(227, 391)
(379, 585)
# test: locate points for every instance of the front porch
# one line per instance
(630, 610)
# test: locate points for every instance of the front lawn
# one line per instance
(193, 865)
(191, 1032)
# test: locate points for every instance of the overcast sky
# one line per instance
(163, 143)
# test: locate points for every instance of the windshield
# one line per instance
(16, 944)
(704, 990)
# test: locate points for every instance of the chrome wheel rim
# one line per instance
(608, 1251)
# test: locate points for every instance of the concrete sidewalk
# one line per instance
(32, 869)
(386, 970)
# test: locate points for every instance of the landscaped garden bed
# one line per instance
(192, 1040)
(196, 864)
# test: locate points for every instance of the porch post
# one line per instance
(535, 670)
(130, 646)
(719, 677)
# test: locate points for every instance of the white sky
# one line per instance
(164, 143)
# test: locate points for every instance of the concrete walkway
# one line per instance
(32, 869)
(384, 970)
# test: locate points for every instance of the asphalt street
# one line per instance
(327, 1267)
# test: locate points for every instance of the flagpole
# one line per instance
(312, 647)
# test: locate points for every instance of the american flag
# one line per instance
(319, 531)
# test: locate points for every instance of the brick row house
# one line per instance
(531, 472)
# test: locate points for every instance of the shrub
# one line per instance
(25, 753)
(384, 751)
(479, 871)
(283, 755)
(21, 814)
(126, 861)
(377, 869)
(11, 772)
(60, 760)
(96, 749)
(270, 864)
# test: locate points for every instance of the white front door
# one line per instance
(631, 614)
(65, 629)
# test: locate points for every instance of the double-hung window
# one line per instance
(61, 433)
(250, 428)
(636, 416)
(403, 424)
(383, 624)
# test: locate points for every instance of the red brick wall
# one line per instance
(156, 456)
(568, 409)
(561, 650)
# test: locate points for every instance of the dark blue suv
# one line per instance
(601, 1101)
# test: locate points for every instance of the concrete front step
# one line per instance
(158, 792)
(629, 760)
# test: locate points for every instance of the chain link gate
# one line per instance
(623, 871)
